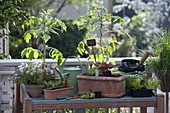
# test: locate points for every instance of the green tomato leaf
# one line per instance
(94, 28)
(22, 26)
(35, 34)
(112, 45)
(31, 22)
(53, 31)
(58, 56)
(113, 62)
(36, 54)
(81, 48)
(100, 57)
(46, 37)
(27, 37)
(110, 50)
(30, 53)
(90, 57)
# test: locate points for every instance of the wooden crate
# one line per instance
(6, 90)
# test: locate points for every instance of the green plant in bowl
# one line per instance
(159, 60)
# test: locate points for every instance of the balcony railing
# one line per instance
(11, 65)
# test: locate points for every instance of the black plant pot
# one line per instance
(141, 93)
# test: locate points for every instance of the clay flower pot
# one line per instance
(34, 90)
(108, 86)
(52, 94)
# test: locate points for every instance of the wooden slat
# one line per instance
(143, 110)
(160, 104)
(117, 110)
(106, 110)
(18, 106)
(79, 110)
(7, 72)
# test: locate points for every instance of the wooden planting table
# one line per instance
(35, 104)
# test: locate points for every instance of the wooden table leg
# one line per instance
(18, 107)
(28, 106)
(143, 109)
(160, 104)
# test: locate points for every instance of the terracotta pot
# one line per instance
(34, 90)
(108, 86)
(52, 94)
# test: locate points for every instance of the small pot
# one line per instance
(52, 94)
(34, 90)
(141, 93)
(98, 94)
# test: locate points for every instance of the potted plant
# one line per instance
(57, 88)
(108, 86)
(29, 74)
(40, 28)
(159, 60)
(143, 87)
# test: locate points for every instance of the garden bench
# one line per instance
(38, 104)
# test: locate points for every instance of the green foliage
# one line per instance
(94, 20)
(41, 27)
(10, 14)
(91, 69)
(69, 41)
(88, 95)
(148, 83)
(3, 56)
(137, 83)
(32, 74)
(160, 59)
(152, 84)
(52, 84)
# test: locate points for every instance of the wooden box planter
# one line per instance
(54, 93)
(108, 86)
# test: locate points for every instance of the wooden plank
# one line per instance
(95, 110)
(160, 104)
(117, 110)
(18, 106)
(80, 110)
(106, 110)
(28, 106)
(143, 109)
(6, 72)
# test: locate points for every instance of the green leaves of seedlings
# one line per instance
(30, 53)
(148, 83)
(55, 54)
(40, 28)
